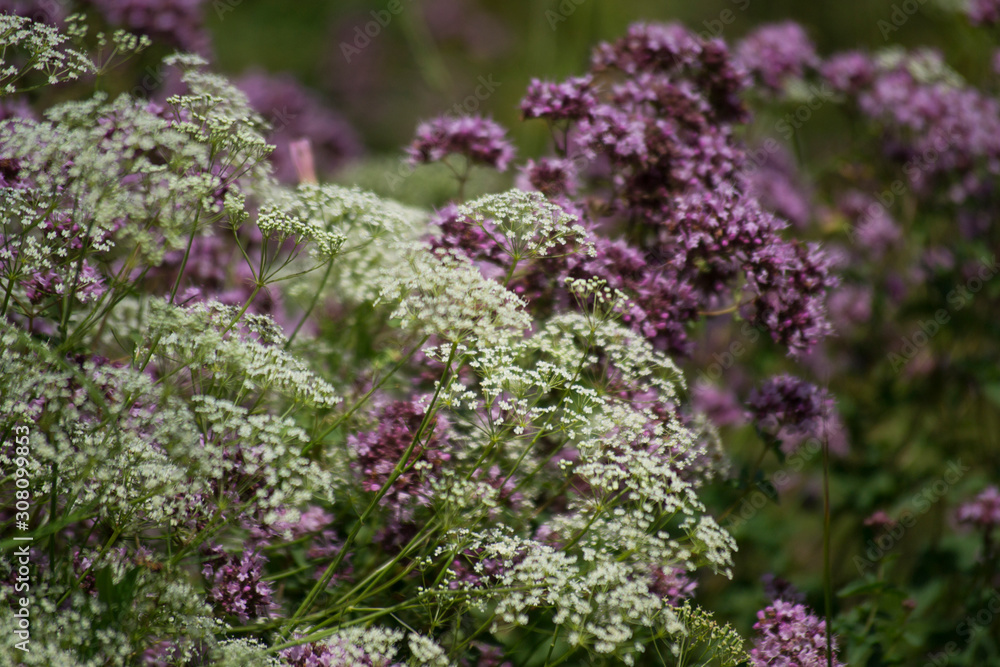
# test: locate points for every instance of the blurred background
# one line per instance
(430, 55)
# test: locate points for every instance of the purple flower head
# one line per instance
(553, 177)
(572, 99)
(480, 140)
(650, 47)
(612, 132)
(786, 403)
(872, 227)
(983, 511)
(850, 306)
(662, 303)
(719, 405)
(777, 52)
(776, 185)
(673, 49)
(176, 22)
(848, 72)
(983, 12)
(790, 282)
(236, 586)
(378, 451)
(789, 635)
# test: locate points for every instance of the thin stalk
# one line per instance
(827, 572)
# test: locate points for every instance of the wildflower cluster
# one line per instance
(277, 420)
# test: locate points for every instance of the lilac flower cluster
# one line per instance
(777, 52)
(662, 134)
(983, 12)
(792, 408)
(378, 451)
(944, 130)
(236, 584)
(790, 635)
(983, 511)
(480, 140)
(176, 22)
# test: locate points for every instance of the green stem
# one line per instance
(827, 573)
(312, 304)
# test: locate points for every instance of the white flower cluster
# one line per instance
(42, 48)
(525, 225)
(102, 164)
(425, 652)
(264, 456)
(197, 337)
(443, 294)
(334, 218)
(598, 601)
(217, 113)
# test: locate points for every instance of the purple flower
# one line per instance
(378, 451)
(570, 100)
(850, 306)
(788, 406)
(480, 140)
(848, 72)
(719, 405)
(662, 301)
(983, 12)
(176, 22)
(872, 227)
(777, 52)
(789, 635)
(790, 282)
(237, 588)
(776, 185)
(673, 49)
(983, 511)
(553, 177)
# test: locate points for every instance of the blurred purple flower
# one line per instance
(983, 511)
(777, 52)
(480, 140)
